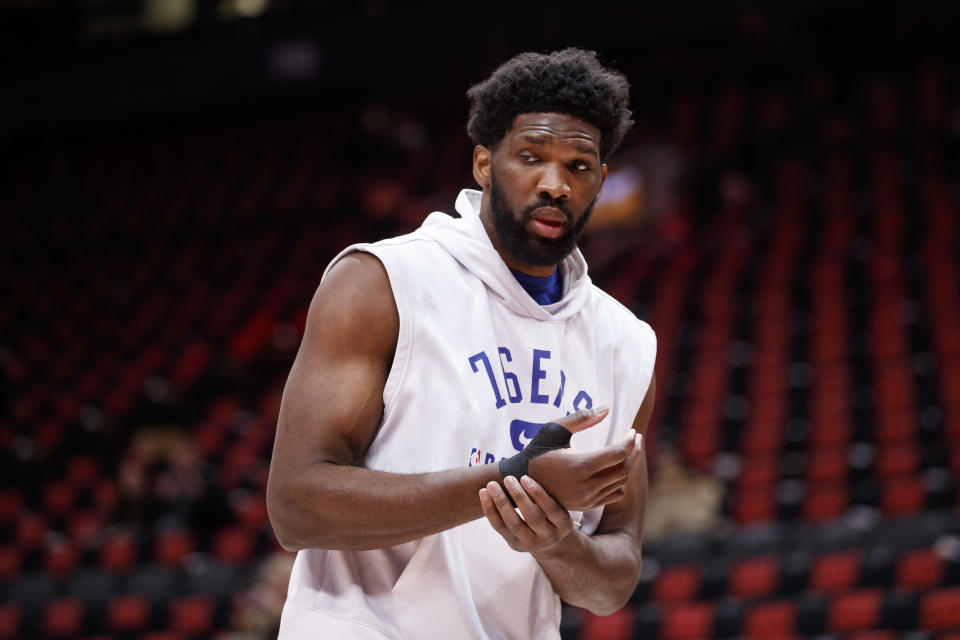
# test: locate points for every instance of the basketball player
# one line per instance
(428, 363)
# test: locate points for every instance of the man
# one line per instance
(428, 363)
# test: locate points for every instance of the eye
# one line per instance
(580, 165)
(528, 158)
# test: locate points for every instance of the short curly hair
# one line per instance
(571, 81)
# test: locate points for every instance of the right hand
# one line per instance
(580, 481)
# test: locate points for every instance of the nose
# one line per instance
(552, 183)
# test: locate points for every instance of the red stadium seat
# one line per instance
(10, 619)
(61, 558)
(119, 552)
(128, 614)
(825, 501)
(771, 620)
(828, 464)
(690, 621)
(58, 498)
(172, 547)
(754, 578)
(11, 501)
(835, 571)
(234, 546)
(855, 611)
(31, 532)
(63, 618)
(617, 626)
(754, 504)
(903, 496)
(940, 610)
(192, 615)
(919, 569)
(677, 584)
(10, 559)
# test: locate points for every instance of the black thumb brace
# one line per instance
(550, 437)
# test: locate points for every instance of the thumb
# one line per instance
(583, 419)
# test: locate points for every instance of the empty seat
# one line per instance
(940, 610)
(171, 547)
(825, 501)
(677, 584)
(119, 552)
(618, 626)
(755, 577)
(192, 615)
(770, 620)
(61, 558)
(10, 619)
(128, 614)
(919, 569)
(63, 617)
(688, 621)
(10, 559)
(835, 571)
(752, 504)
(234, 546)
(855, 611)
(903, 496)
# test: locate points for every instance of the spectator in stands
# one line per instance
(680, 499)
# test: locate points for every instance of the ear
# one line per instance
(481, 165)
(603, 179)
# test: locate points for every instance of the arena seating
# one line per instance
(812, 341)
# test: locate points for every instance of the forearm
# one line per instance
(335, 506)
(597, 572)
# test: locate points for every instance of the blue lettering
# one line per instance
(563, 381)
(490, 458)
(538, 374)
(581, 398)
(510, 379)
(482, 357)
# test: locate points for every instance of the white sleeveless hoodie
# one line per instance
(478, 366)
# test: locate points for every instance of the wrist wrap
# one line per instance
(550, 436)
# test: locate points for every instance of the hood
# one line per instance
(467, 241)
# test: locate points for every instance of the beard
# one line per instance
(525, 247)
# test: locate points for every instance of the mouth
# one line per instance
(547, 222)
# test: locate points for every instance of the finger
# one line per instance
(532, 514)
(511, 520)
(614, 495)
(609, 456)
(583, 419)
(556, 515)
(490, 511)
(617, 472)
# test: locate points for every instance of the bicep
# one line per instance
(333, 399)
(626, 515)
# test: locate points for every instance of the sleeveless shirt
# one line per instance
(479, 365)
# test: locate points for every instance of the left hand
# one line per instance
(544, 524)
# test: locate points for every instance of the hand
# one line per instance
(583, 481)
(544, 524)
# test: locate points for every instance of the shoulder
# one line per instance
(623, 319)
(354, 299)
